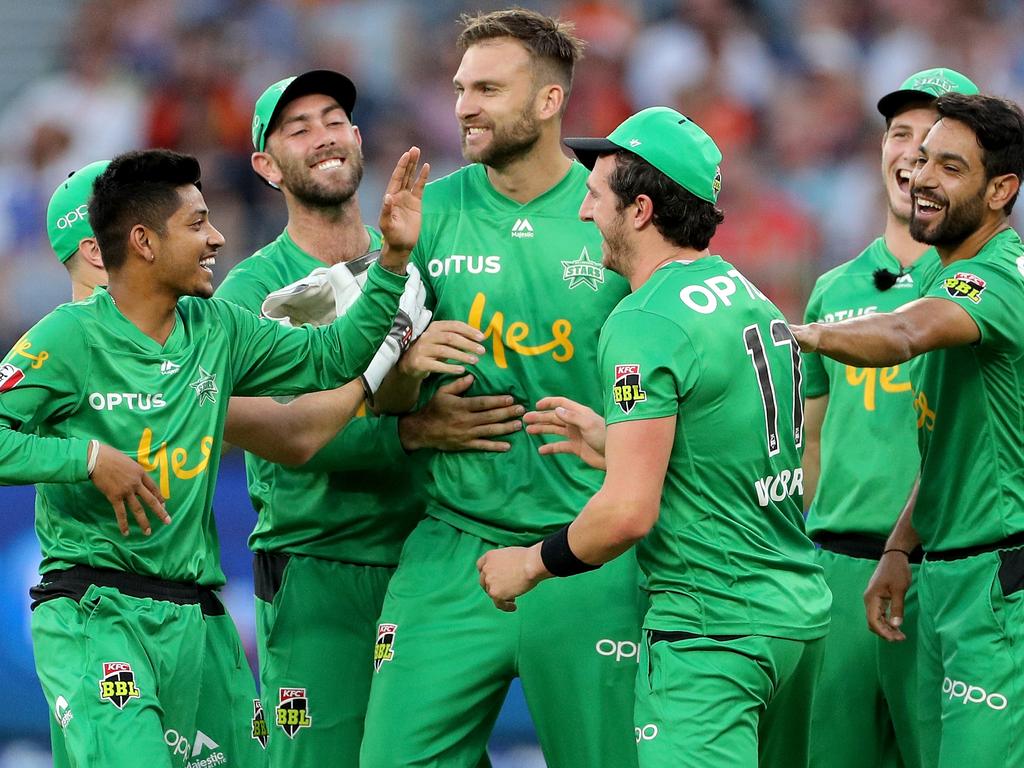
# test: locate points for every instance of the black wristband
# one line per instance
(558, 557)
(896, 549)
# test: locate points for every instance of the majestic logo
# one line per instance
(292, 711)
(10, 375)
(905, 281)
(583, 270)
(626, 391)
(964, 285)
(62, 711)
(384, 650)
(118, 683)
(522, 228)
(205, 387)
(167, 368)
(260, 732)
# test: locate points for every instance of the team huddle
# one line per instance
(529, 425)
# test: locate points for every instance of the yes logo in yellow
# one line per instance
(22, 348)
(177, 463)
(560, 346)
(872, 379)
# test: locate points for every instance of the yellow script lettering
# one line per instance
(560, 345)
(178, 463)
(871, 378)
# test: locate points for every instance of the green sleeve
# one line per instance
(369, 442)
(37, 392)
(642, 380)
(815, 374)
(244, 288)
(991, 293)
(270, 359)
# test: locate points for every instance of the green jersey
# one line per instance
(85, 371)
(969, 402)
(530, 277)
(728, 554)
(869, 455)
(350, 504)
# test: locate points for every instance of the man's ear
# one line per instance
(1002, 189)
(266, 166)
(141, 242)
(89, 251)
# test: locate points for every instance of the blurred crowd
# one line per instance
(786, 87)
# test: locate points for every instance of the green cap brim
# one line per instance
(278, 95)
(924, 86)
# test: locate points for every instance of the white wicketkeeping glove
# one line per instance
(412, 319)
(321, 296)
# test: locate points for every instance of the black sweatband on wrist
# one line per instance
(558, 557)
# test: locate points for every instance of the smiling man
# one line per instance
(119, 400)
(503, 250)
(968, 516)
(737, 608)
(861, 461)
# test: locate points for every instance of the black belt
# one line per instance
(657, 636)
(75, 581)
(859, 545)
(1010, 542)
(268, 573)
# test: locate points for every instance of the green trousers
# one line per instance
(445, 656)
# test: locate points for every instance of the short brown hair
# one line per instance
(553, 47)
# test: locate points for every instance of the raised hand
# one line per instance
(581, 427)
(124, 482)
(401, 213)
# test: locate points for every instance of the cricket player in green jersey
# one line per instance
(968, 515)
(230, 723)
(861, 461)
(118, 626)
(702, 460)
(503, 250)
(329, 532)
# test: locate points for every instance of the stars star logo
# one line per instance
(583, 270)
(205, 387)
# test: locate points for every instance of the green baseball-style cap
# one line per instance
(67, 215)
(926, 84)
(669, 141)
(283, 91)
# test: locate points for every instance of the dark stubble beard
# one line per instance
(297, 178)
(959, 222)
(510, 143)
(618, 253)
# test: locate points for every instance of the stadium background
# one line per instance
(786, 88)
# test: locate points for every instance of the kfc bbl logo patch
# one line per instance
(292, 711)
(10, 375)
(384, 650)
(118, 683)
(260, 732)
(964, 285)
(626, 391)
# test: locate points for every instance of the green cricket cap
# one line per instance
(280, 93)
(926, 84)
(67, 215)
(669, 141)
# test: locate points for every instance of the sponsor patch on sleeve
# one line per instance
(10, 375)
(964, 285)
(384, 649)
(627, 390)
